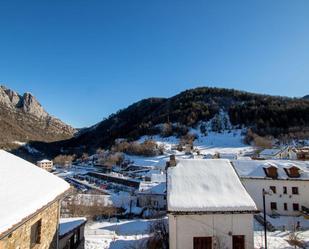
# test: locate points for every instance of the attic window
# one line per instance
(271, 171)
(292, 171)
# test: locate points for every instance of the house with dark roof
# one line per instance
(71, 233)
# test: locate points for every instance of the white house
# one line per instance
(270, 153)
(152, 195)
(287, 180)
(208, 207)
(287, 152)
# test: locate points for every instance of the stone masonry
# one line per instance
(20, 237)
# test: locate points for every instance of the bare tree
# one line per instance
(159, 238)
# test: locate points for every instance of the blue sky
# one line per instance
(84, 60)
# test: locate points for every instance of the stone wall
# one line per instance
(20, 238)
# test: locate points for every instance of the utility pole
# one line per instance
(264, 212)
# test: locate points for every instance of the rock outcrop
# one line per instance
(23, 119)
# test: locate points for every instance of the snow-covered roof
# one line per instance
(67, 225)
(45, 161)
(206, 185)
(152, 188)
(270, 152)
(24, 189)
(255, 168)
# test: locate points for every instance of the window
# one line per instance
(202, 243)
(295, 190)
(273, 189)
(285, 190)
(75, 238)
(271, 171)
(285, 206)
(238, 242)
(295, 206)
(35, 236)
(273, 206)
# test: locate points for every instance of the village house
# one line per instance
(45, 164)
(152, 195)
(286, 182)
(30, 203)
(71, 233)
(302, 153)
(208, 207)
(288, 153)
(270, 154)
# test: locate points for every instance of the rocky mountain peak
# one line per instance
(27, 102)
(24, 119)
(32, 106)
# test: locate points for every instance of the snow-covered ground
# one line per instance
(116, 234)
(125, 233)
(224, 142)
(277, 239)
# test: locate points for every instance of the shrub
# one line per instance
(64, 160)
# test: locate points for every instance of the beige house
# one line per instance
(45, 164)
(30, 203)
(208, 207)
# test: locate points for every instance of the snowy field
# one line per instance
(131, 233)
(116, 234)
(278, 239)
(226, 142)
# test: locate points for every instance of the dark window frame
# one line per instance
(35, 233)
(285, 190)
(273, 206)
(273, 189)
(202, 242)
(295, 191)
(239, 241)
(285, 206)
(295, 207)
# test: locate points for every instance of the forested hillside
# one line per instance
(266, 115)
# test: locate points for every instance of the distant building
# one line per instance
(208, 207)
(302, 153)
(45, 164)
(287, 181)
(288, 153)
(30, 201)
(152, 196)
(71, 233)
(270, 154)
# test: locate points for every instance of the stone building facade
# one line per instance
(20, 236)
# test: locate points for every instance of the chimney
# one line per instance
(172, 161)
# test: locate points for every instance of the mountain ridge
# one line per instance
(265, 114)
(23, 119)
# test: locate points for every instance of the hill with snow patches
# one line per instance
(192, 109)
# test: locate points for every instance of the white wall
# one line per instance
(183, 228)
(255, 187)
